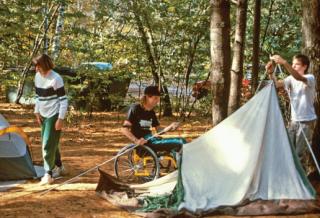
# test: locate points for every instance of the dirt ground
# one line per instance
(85, 143)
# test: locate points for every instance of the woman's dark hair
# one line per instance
(43, 61)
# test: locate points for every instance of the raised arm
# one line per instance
(269, 68)
(279, 60)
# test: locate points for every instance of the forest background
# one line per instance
(171, 43)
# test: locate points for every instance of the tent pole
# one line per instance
(87, 171)
(97, 166)
(310, 148)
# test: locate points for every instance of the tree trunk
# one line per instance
(311, 47)
(188, 69)
(36, 48)
(267, 25)
(147, 46)
(153, 59)
(238, 56)
(220, 58)
(58, 32)
(45, 29)
(256, 46)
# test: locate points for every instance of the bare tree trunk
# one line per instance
(311, 47)
(45, 29)
(267, 25)
(145, 42)
(58, 32)
(220, 58)
(153, 59)
(238, 56)
(191, 56)
(36, 48)
(256, 46)
(188, 69)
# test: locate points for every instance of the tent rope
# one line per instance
(107, 161)
(263, 77)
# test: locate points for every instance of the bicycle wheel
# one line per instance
(137, 166)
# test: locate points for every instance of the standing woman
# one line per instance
(50, 110)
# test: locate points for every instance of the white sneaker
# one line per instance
(59, 171)
(46, 179)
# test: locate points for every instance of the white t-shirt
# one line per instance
(301, 97)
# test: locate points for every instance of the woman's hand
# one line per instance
(39, 119)
(59, 124)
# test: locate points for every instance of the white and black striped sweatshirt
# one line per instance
(51, 97)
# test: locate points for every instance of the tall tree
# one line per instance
(220, 58)
(37, 45)
(153, 56)
(256, 45)
(311, 47)
(57, 35)
(45, 28)
(238, 56)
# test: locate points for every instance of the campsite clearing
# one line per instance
(85, 143)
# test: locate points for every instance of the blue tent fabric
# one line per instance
(15, 159)
(100, 65)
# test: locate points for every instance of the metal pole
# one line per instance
(97, 166)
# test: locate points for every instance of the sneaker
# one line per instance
(59, 171)
(46, 179)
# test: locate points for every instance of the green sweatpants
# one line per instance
(50, 143)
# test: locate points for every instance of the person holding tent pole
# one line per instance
(142, 117)
(50, 109)
(300, 86)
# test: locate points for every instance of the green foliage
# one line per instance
(93, 89)
(107, 31)
(280, 33)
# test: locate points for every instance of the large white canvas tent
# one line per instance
(247, 157)
(15, 159)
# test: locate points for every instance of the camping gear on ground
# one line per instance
(245, 166)
(15, 159)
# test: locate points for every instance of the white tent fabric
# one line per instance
(161, 186)
(246, 156)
